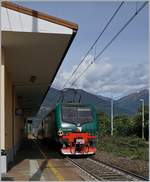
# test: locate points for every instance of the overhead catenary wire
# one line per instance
(110, 42)
(106, 26)
(133, 16)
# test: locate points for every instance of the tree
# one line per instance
(104, 122)
(123, 126)
(137, 119)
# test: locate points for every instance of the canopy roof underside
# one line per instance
(34, 49)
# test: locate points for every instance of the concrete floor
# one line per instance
(38, 162)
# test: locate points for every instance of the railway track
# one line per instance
(125, 171)
(99, 171)
(102, 172)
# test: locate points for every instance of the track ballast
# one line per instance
(104, 172)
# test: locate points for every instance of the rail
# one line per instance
(104, 172)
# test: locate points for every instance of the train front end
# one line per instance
(77, 129)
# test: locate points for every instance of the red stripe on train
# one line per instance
(72, 136)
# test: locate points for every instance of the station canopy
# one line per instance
(35, 45)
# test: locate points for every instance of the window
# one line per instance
(75, 114)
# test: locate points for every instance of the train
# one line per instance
(74, 126)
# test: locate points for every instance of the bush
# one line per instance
(104, 122)
(124, 125)
(132, 147)
(137, 120)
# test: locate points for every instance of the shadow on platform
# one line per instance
(30, 149)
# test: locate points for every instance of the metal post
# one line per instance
(142, 100)
(112, 127)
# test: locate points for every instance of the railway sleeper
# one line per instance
(112, 179)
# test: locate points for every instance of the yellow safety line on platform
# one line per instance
(50, 165)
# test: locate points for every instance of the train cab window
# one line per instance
(77, 114)
(84, 114)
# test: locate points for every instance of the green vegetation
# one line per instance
(124, 125)
(138, 124)
(127, 140)
(131, 147)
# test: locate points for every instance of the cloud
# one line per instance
(102, 78)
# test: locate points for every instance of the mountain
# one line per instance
(127, 105)
(52, 97)
(132, 102)
(104, 98)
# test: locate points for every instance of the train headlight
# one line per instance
(79, 129)
(60, 133)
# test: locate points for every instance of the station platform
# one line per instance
(36, 162)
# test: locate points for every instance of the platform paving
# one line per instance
(35, 162)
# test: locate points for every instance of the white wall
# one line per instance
(16, 21)
(2, 100)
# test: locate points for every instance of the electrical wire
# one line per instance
(110, 42)
(108, 23)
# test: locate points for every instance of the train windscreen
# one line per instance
(77, 114)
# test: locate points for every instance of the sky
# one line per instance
(123, 67)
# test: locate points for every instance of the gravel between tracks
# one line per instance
(137, 166)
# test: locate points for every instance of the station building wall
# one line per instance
(8, 116)
(11, 125)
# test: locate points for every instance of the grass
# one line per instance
(131, 147)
